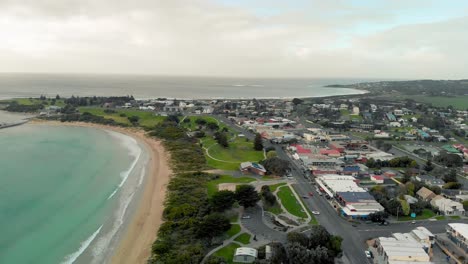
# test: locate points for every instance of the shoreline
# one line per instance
(133, 245)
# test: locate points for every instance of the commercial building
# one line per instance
(458, 233)
(356, 202)
(403, 248)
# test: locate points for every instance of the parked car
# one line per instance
(311, 194)
(368, 254)
(413, 222)
(305, 197)
(315, 212)
(246, 217)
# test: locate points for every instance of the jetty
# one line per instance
(7, 125)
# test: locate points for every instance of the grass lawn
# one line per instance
(275, 209)
(455, 217)
(234, 218)
(147, 119)
(440, 217)
(275, 186)
(458, 102)
(193, 126)
(425, 215)
(243, 238)
(235, 228)
(357, 117)
(290, 203)
(239, 150)
(227, 252)
(213, 185)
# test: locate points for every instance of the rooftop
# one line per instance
(246, 251)
(395, 248)
(460, 228)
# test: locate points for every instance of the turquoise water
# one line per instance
(55, 185)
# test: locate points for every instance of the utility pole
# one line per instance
(397, 211)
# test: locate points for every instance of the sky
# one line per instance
(244, 38)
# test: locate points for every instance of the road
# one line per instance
(354, 235)
(352, 252)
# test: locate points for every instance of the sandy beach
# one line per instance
(135, 243)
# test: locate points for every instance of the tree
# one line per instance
(172, 118)
(405, 207)
(213, 225)
(299, 238)
(387, 146)
(297, 101)
(276, 166)
(258, 144)
(57, 97)
(451, 176)
(378, 216)
(269, 197)
(394, 207)
(465, 205)
(216, 260)
(435, 189)
(428, 167)
(212, 126)
(222, 200)
(318, 236)
(453, 185)
(413, 164)
(271, 154)
(221, 138)
(246, 195)
(133, 119)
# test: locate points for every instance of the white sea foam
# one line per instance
(103, 242)
(85, 244)
(134, 150)
(142, 176)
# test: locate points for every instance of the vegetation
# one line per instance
(126, 116)
(400, 162)
(243, 238)
(222, 200)
(213, 184)
(319, 247)
(276, 166)
(234, 230)
(239, 150)
(226, 252)
(290, 203)
(246, 195)
(258, 144)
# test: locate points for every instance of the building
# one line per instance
(245, 255)
(430, 180)
(425, 194)
(377, 179)
(356, 202)
(252, 167)
(458, 233)
(391, 250)
(447, 206)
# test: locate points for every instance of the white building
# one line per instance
(400, 249)
(458, 233)
(447, 206)
(245, 255)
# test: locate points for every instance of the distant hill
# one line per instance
(419, 87)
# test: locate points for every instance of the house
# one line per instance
(430, 180)
(351, 170)
(252, 167)
(245, 255)
(377, 179)
(425, 194)
(447, 206)
(458, 233)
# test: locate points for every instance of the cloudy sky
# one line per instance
(256, 38)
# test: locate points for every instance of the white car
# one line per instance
(246, 217)
(315, 212)
(368, 254)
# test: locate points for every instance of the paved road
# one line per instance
(256, 226)
(353, 252)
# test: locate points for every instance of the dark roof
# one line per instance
(351, 168)
(354, 197)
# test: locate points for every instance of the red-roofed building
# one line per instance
(330, 152)
(301, 150)
(390, 173)
(377, 179)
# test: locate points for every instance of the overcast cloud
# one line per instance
(329, 38)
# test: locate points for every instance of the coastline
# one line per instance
(134, 241)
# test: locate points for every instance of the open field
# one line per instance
(458, 102)
(192, 125)
(274, 187)
(213, 185)
(290, 203)
(147, 119)
(230, 158)
(227, 252)
(243, 238)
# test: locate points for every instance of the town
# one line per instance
(385, 178)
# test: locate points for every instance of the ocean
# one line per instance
(145, 86)
(65, 192)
